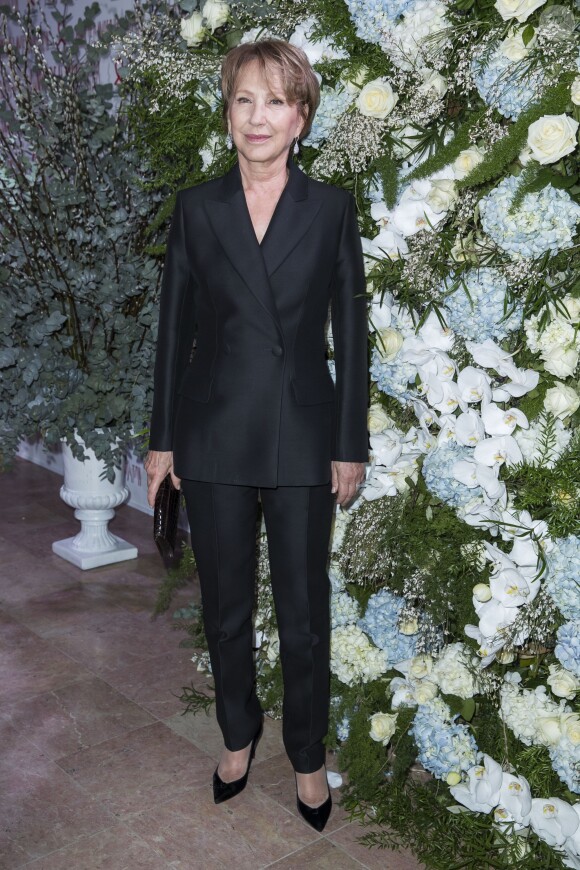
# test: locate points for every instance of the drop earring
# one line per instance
(296, 149)
(229, 141)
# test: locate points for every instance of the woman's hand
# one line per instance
(157, 464)
(346, 477)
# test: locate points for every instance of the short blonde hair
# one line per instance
(275, 56)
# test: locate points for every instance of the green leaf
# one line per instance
(468, 709)
(528, 34)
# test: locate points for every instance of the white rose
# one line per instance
(216, 13)
(389, 344)
(425, 691)
(433, 81)
(377, 99)
(571, 727)
(192, 29)
(572, 305)
(561, 401)
(467, 160)
(518, 9)
(383, 726)
(420, 666)
(525, 156)
(513, 46)
(560, 361)
(575, 91)
(442, 195)
(549, 730)
(378, 419)
(552, 137)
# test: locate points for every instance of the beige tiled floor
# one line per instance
(99, 768)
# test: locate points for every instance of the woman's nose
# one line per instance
(257, 113)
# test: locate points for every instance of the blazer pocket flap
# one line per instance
(196, 384)
(313, 390)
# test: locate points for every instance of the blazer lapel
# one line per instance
(230, 220)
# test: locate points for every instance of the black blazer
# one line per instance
(254, 402)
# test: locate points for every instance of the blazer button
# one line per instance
(277, 350)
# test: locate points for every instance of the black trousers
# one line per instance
(222, 518)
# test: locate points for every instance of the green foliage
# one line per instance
(416, 815)
(78, 308)
(550, 494)
(506, 150)
(386, 167)
(448, 153)
(364, 759)
(391, 540)
(195, 700)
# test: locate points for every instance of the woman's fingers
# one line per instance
(157, 464)
(346, 477)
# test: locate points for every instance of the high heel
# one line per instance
(315, 816)
(223, 791)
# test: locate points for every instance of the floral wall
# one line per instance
(456, 572)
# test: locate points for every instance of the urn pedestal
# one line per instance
(94, 501)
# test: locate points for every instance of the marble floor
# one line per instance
(99, 768)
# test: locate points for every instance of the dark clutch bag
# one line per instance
(165, 516)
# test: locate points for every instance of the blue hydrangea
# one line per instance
(565, 757)
(438, 474)
(393, 378)
(563, 576)
(444, 745)
(568, 647)
(333, 103)
(545, 221)
(477, 313)
(507, 85)
(372, 18)
(381, 622)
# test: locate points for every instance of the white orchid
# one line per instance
(443, 395)
(389, 244)
(380, 314)
(522, 381)
(386, 447)
(498, 449)
(553, 820)
(515, 801)
(498, 421)
(474, 385)
(491, 356)
(481, 792)
(436, 335)
(469, 429)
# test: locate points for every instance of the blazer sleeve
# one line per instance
(176, 327)
(349, 320)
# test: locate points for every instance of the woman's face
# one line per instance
(262, 123)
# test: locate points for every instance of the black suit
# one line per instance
(254, 408)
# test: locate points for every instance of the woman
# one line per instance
(253, 260)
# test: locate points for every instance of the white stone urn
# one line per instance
(94, 500)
